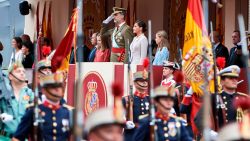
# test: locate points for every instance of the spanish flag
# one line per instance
(197, 49)
(60, 60)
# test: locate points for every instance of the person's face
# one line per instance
(99, 41)
(93, 39)
(229, 83)
(137, 29)
(167, 71)
(19, 73)
(118, 18)
(25, 50)
(14, 43)
(166, 103)
(141, 85)
(54, 94)
(107, 133)
(235, 38)
(157, 39)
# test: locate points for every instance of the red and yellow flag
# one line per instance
(196, 45)
(60, 60)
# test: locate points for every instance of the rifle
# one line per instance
(245, 52)
(218, 104)
(78, 96)
(37, 117)
(130, 115)
(153, 134)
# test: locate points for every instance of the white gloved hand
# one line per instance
(110, 18)
(213, 134)
(189, 92)
(130, 125)
(4, 117)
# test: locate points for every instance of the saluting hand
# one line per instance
(110, 18)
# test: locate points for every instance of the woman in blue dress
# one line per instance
(162, 53)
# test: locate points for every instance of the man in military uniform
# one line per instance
(15, 96)
(121, 36)
(168, 74)
(229, 81)
(139, 105)
(238, 131)
(54, 118)
(223, 111)
(168, 70)
(103, 125)
(167, 126)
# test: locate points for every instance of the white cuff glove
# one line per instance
(213, 134)
(4, 117)
(189, 92)
(110, 18)
(130, 125)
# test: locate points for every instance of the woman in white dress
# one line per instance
(139, 45)
(17, 55)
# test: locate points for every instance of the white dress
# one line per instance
(138, 48)
(18, 57)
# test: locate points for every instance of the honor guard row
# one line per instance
(54, 117)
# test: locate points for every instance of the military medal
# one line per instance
(26, 97)
(172, 130)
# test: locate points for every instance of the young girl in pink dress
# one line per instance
(103, 52)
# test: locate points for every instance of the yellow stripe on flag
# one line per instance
(195, 43)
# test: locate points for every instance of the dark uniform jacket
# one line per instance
(226, 113)
(55, 124)
(140, 108)
(172, 129)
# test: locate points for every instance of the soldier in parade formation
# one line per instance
(167, 126)
(53, 117)
(136, 105)
(141, 115)
(15, 96)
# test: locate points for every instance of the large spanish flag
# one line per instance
(197, 45)
(60, 60)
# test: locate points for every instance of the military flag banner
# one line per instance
(60, 60)
(197, 48)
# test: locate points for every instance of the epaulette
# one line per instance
(143, 116)
(178, 118)
(242, 94)
(68, 107)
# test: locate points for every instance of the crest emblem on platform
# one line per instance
(91, 99)
(94, 91)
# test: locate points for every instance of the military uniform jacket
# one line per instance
(172, 129)
(119, 38)
(140, 106)
(226, 111)
(55, 125)
(16, 108)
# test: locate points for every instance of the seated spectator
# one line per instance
(28, 53)
(103, 51)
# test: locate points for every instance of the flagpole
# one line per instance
(206, 98)
(78, 97)
(153, 135)
(245, 52)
